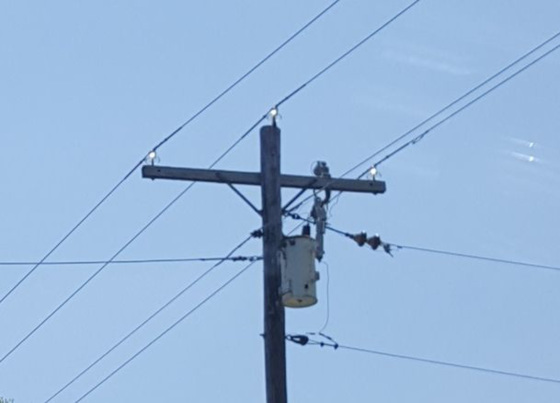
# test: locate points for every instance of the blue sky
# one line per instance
(87, 88)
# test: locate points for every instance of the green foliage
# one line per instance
(4, 400)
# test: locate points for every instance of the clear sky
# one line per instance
(87, 88)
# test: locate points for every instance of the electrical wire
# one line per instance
(127, 244)
(347, 53)
(462, 108)
(442, 110)
(393, 246)
(153, 315)
(330, 66)
(450, 364)
(297, 339)
(68, 234)
(165, 140)
(137, 261)
(328, 312)
(476, 257)
(133, 357)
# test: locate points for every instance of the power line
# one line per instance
(153, 315)
(65, 237)
(307, 25)
(127, 244)
(165, 332)
(304, 340)
(442, 110)
(462, 108)
(361, 239)
(165, 140)
(254, 234)
(476, 257)
(347, 53)
(137, 261)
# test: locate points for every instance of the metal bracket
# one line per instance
(243, 197)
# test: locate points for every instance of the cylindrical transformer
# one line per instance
(298, 272)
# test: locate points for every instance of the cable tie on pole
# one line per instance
(257, 233)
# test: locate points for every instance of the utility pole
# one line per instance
(274, 318)
(271, 182)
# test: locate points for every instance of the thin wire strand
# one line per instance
(323, 71)
(136, 261)
(153, 315)
(442, 110)
(116, 370)
(165, 140)
(476, 257)
(126, 245)
(260, 63)
(457, 100)
(474, 100)
(328, 313)
(65, 237)
(450, 364)
(347, 53)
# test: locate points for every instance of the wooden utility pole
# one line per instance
(274, 321)
(271, 182)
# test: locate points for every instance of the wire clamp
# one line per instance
(298, 339)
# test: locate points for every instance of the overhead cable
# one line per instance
(476, 257)
(305, 340)
(153, 315)
(182, 318)
(136, 261)
(127, 244)
(468, 104)
(442, 110)
(348, 52)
